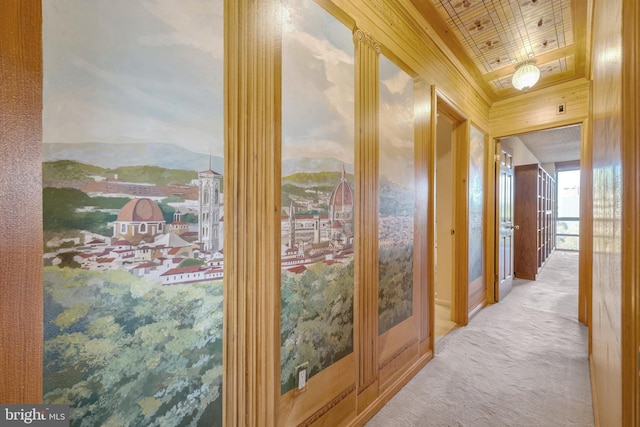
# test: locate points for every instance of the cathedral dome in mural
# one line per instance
(144, 210)
(342, 194)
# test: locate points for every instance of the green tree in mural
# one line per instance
(316, 319)
(60, 207)
(123, 351)
(395, 291)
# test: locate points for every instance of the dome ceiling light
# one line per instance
(526, 75)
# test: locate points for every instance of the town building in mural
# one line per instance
(209, 230)
(138, 220)
(144, 244)
(311, 238)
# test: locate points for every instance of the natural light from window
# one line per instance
(568, 222)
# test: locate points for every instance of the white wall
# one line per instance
(521, 154)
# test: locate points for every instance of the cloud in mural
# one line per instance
(317, 89)
(139, 72)
(396, 123)
(191, 23)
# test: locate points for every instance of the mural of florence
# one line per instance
(133, 211)
(396, 196)
(317, 190)
(476, 195)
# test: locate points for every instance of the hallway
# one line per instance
(521, 362)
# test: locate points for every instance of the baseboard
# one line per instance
(477, 309)
(443, 303)
(594, 394)
(385, 396)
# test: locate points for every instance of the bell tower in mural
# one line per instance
(209, 210)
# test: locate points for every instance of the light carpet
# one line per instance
(520, 362)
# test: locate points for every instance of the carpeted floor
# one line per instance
(521, 362)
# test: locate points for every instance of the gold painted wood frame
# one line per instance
(252, 213)
(366, 215)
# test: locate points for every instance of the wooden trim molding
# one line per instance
(251, 386)
(461, 212)
(367, 51)
(585, 272)
(388, 393)
(460, 152)
(21, 303)
(398, 352)
(630, 339)
(431, 209)
(326, 408)
(424, 215)
(490, 269)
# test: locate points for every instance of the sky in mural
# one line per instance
(147, 71)
(326, 117)
(396, 103)
(134, 72)
(318, 74)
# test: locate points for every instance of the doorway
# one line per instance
(444, 225)
(451, 237)
(553, 150)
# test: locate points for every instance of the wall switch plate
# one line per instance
(561, 108)
(302, 373)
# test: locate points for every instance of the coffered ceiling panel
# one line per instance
(497, 35)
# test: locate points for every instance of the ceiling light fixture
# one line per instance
(526, 75)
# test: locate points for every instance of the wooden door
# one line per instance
(506, 227)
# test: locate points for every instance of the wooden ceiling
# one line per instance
(491, 37)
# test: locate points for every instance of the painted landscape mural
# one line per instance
(396, 196)
(317, 190)
(133, 211)
(476, 203)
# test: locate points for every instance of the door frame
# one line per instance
(459, 147)
(586, 216)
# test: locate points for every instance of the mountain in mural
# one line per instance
(116, 155)
(113, 155)
(315, 164)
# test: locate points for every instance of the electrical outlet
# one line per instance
(302, 379)
(302, 372)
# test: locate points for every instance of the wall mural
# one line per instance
(396, 196)
(317, 190)
(476, 203)
(133, 211)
